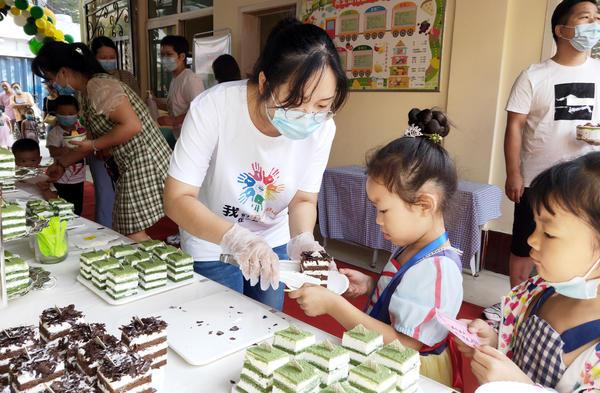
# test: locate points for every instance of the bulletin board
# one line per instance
(388, 45)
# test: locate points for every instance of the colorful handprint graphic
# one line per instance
(259, 186)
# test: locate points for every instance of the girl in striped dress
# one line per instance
(411, 182)
(119, 124)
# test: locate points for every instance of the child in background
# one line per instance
(411, 182)
(550, 331)
(70, 185)
(6, 136)
(27, 154)
(29, 126)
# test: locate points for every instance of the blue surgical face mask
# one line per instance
(296, 124)
(108, 64)
(169, 63)
(586, 36)
(29, 117)
(64, 91)
(67, 120)
(579, 287)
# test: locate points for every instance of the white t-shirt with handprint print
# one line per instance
(244, 176)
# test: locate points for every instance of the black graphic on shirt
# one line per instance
(574, 101)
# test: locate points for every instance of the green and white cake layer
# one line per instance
(372, 378)
(265, 358)
(340, 387)
(293, 340)
(101, 268)
(123, 274)
(415, 388)
(252, 380)
(179, 259)
(138, 257)
(297, 376)
(14, 264)
(362, 340)
(327, 356)
(333, 376)
(122, 251)
(178, 277)
(12, 210)
(120, 295)
(90, 257)
(164, 251)
(149, 245)
(397, 357)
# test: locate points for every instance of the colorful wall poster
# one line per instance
(384, 44)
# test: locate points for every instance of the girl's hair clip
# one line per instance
(435, 138)
(413, 131)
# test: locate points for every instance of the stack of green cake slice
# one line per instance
(371, 377)
(17, 274)
(293, 340)
(163, 252)
(39, 209)
(405, 362)
(332, 361)
(14, 223)
(63, 209)
(134, 259)
(100, 269)
(121, 251)
(86, 260)
(340, 387)
(361, 343)
(297, 376)
(152, 274)
(149, 245)
(7, 164)
(122, 282)
(260, 363)
(180, 266)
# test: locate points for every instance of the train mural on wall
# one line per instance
(384, 44)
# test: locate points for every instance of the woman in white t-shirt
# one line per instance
(185, 85)
(247, 168)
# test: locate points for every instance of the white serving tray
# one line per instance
(141, 293)
(208, 329)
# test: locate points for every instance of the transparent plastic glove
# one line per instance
(254, 256)
(303, 242)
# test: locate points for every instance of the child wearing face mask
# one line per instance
(29, 126)
(70, 185)
(411, 180)
(550, 331)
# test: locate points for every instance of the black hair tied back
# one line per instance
(432, 123)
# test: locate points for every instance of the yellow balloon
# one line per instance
(40, 23)
(29, 7)
(59, 35)
(46, 11)
(15, 11)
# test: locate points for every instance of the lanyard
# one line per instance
(380, 309)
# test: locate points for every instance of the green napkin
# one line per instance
(52, 240)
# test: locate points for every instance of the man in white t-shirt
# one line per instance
(185, 85)
(548, 101)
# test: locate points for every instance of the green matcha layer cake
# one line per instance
(293, 340)
(414, 388)
(149, 245)
(180, 266)
(259, 364)
(62, 208)
(370, 377)
(17, 275)
(122, 282)
(136, 258)
(86, 260)
(340, 387)
(152, 274)
(38, 208)
(122, 251)
(402, 360)
(332, 361)
(361, 343)
(13, 221)
(100, 269)
(164, 251)
(298, 376)
(7, 163)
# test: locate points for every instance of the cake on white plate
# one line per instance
(316, 264)
(588, 132)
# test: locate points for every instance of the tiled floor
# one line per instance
(483, 290)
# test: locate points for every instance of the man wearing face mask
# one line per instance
(185, 85)
(548, 101)
(5, 101)
(20, 102)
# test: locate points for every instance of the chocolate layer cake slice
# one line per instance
(32, 370)
(71, 382)
(90, 355)
(124, 373)
(316, 264)
(78, 336)
(148, 338)
(14, 342)
(56, 322)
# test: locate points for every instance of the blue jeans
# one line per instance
(104, 191)
(231, 277)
